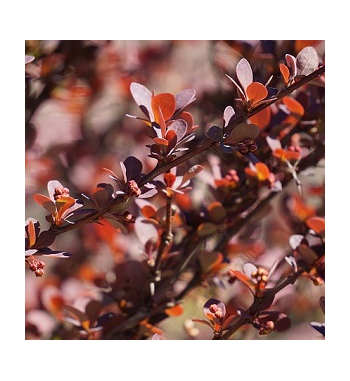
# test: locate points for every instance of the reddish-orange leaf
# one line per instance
(148, 211)
(187, 117)
(256, 92)
(31, 234)
(243, 278)
(283, 155)
(169, 179)
(64, 203)
(262, 171)
(166, 102)
(170, 135)
(317, 224)
(294, 106)
(175, 311)
(161, 141)
(45, 202)
(285, 73)
(262, 118)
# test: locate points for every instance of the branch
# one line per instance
(210, 143)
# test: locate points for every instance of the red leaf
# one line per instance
(285, 73)
(262, 118)
(45, 202)
(256, 92)
(166, 103)
(317, 224)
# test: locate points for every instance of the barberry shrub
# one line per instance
(175, 190)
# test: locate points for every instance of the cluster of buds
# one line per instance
(261, 277)
(248, 145)
(60, 192)
(132, 189)
(36, 266)
(218, 312)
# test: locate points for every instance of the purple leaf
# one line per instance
(307, 61)
(241, 132)
(184, 98)
(46, 238)
(103, 194)
(133, 168)
(57, 254)
(215, 133)
(229, 112)
(93, 310)
(244, 73)
(143, 98)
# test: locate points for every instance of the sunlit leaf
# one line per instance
(295, 240)
(143, 98)
(307, 61)
(244, 73)
(29, 59)
(229, 113)
(285, 73)
(166, 103)
(184, 98)
(256, 92)
(179, 126)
